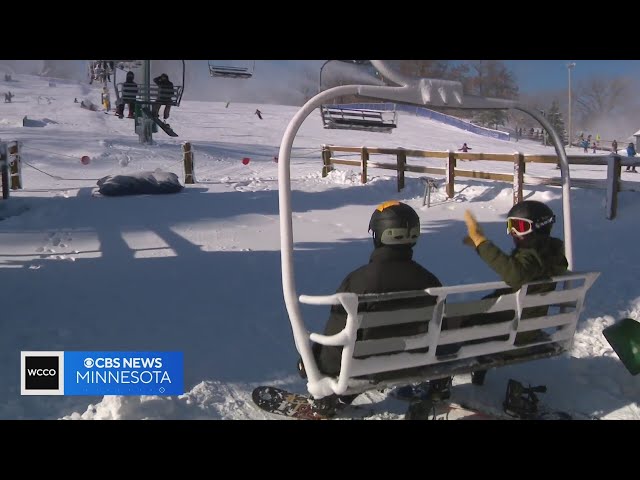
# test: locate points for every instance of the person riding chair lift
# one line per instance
(165, 94)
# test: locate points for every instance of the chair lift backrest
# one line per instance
(128, 64)
(156, 94)
(427, 322)
(337, 117)
(231, 71)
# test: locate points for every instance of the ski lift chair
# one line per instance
(374, 364)
(231, 71)
(352, 117)
(127, 64)
(346, 118)
(151, 95)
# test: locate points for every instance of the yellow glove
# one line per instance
(475, 234)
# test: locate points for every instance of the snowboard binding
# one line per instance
(426, 397)
(423, 409)
(521, 402)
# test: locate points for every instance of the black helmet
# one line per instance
(394, 223)
(535, 216)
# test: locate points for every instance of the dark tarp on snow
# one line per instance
(156, 182)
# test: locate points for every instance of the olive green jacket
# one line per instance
(541, 258)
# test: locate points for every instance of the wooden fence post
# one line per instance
(365, 159)
(326, 160)
(402, 161)
(4, 170)
(187, 156)
(518, 177)
(613, 185)
(450, 174)
(15, 165)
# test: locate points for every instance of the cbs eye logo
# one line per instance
(41, 373)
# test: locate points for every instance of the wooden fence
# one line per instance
(612, 184)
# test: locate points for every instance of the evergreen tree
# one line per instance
(555, 119)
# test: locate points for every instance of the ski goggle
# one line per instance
(519, 226)
(523, 226)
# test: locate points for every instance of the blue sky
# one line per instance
(536, 75)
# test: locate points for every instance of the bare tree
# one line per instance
(309, 83)
(597, 97)
(491, 78)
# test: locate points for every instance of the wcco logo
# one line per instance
(41, 373)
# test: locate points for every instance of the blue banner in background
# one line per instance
(123, 373)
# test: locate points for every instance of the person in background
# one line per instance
(106, 99)
(585, 145)
(112, 67)
(631, 152)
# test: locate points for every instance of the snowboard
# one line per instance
(281, 402)
(164, 126)
(297, 406)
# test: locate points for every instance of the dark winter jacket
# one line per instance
(165, 89)
(129, 91)
(390, 269)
